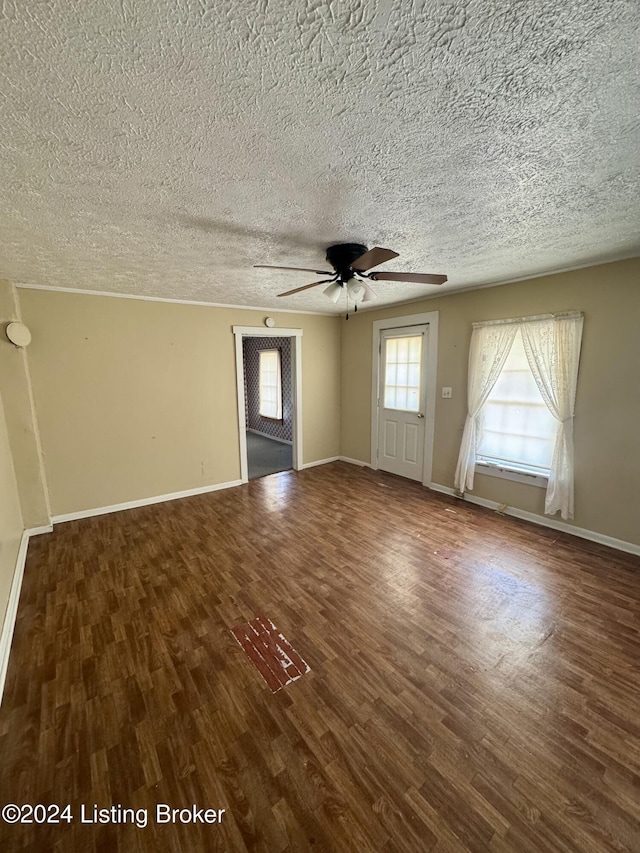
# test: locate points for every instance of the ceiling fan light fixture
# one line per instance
(333, 291)
(369, 295)
(357, 290)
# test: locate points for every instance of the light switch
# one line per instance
(447, 393)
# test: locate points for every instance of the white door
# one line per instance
(401, 401)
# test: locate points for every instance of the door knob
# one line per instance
(420, 415)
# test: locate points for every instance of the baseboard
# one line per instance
(104, 510)
(37, 531)
(12, 610)
(543, 521)
(444, 490)
(337, 459)
(357, 462)
(321, 462)
(272, 437)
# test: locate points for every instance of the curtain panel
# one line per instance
(552, 346)
(553, 352)
(490, 346)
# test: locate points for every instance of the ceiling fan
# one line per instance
(350, 262)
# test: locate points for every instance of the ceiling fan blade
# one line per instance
(417, 277)
(372, 258)
(295, 269)
(305, 287)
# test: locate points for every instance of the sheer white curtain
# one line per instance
(553, 352)
(490, 346)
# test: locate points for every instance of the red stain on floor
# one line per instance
(273, 656)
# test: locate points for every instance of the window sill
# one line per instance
(504, 473)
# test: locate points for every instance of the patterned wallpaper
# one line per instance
(251, 349)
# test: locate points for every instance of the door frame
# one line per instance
(431, 320)
(241, 332)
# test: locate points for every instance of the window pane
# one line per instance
(392, 350)
(517, 425)
(415, 349)
(270, 384)
(413, 375)
(390, 397)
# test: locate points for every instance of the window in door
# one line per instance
(402, 373)
(270, 384)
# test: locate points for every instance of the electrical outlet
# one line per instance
(447, 393)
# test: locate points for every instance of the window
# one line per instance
(402, 373)
(517, 430)
(506, 427)
(270, 385)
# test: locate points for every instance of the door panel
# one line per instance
(402, 401)
(390, 439)
(411, 450)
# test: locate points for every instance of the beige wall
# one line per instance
(137, 399)
(10, 517)
(20, 418)
(607, 449)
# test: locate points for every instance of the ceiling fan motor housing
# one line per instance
(342, 255)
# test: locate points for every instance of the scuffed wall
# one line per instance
(10, 517)
(138, 399)
(21, 420)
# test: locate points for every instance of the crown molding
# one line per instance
(84, 292)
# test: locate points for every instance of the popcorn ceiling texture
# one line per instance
(162, 149)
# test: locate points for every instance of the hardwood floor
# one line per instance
(474, 680)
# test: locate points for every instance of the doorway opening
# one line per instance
(268, 373)
(266, 455)
(268, 399)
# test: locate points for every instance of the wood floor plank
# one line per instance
(473, 680)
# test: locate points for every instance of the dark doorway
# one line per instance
(269, 439)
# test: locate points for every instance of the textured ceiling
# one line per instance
(162, 149)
